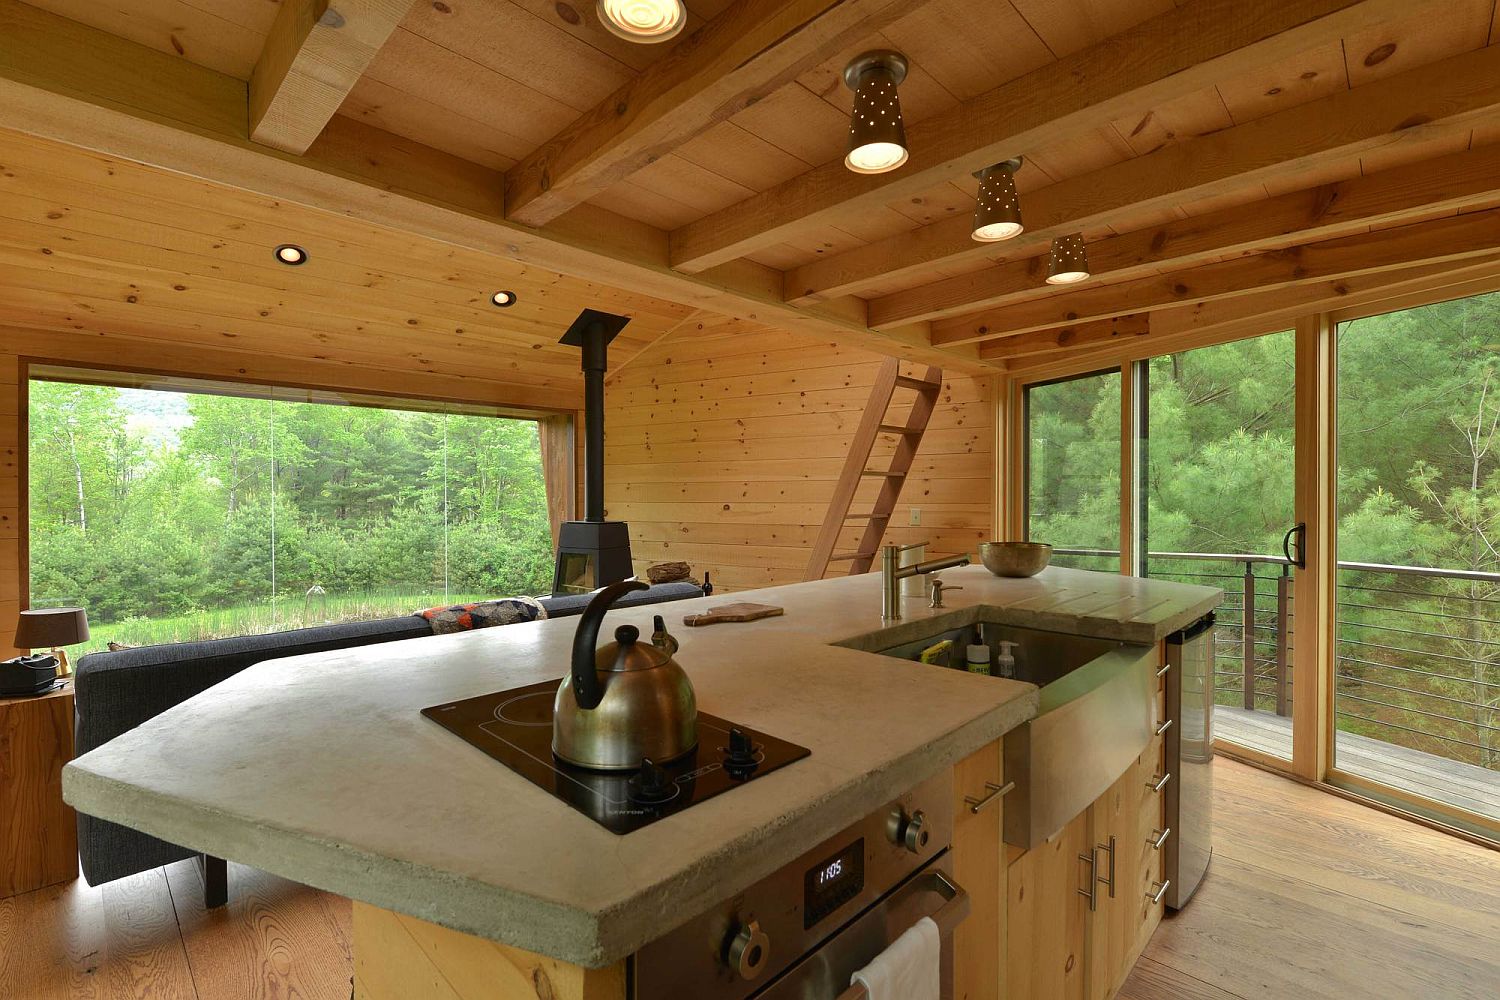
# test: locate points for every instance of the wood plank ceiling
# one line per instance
(1176, 136)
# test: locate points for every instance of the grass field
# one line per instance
(259, 618)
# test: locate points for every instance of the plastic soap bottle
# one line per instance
(977, 659)
(1006, 661)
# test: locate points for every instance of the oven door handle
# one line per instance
(949, 915)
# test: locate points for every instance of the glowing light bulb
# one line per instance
(646, 21)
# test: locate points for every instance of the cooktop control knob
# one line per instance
(651, 783)
(909, 831)
(741, 750)
(749, 951)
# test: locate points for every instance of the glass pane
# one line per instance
(175, 516)
(1417, 697)
(1217, 459)
(1073, 469)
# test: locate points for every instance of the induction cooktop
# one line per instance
(515, 728)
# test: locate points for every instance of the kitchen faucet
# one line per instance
(892, 574)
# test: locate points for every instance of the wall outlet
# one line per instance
(916, 515)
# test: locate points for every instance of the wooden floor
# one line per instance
(1309, 896)
(1454, 782)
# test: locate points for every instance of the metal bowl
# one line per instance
(1015, 558)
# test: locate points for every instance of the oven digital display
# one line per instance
(832, 882)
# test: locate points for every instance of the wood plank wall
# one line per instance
(724, 442)
(245, 363)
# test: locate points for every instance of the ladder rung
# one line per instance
(907, 382)
(867, 517)
(888, 473)
(897, 429)
(850, 556)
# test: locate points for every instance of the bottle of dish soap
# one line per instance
(1006, 661)
(977, 659)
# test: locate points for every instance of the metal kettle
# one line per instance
(625, 701)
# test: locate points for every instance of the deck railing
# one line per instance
(1418, 647)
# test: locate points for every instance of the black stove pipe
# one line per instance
(595, 364)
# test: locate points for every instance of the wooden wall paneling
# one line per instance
(559, 465)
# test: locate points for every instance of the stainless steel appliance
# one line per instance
(627, 704)
(802, 931)
(1189, 752)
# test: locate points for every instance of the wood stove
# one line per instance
(593, 552)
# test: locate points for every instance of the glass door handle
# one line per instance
(1300, 532)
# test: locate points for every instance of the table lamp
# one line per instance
(53, 627)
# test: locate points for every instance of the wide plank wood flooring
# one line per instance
(1309, 896)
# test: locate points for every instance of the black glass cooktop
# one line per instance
(515, 728)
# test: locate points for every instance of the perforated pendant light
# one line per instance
(646, 21)
(877, 137)
(997, 209)
(1068, 263)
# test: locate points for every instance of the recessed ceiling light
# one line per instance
(1068, 263)
(290, 253)
(504, 299)
(997, 209)
(877, 136)
(646, 21)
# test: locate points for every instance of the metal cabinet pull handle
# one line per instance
(1161, 729)
(1092, 892)
(1157, 784)
(1158, 840)
(1110, 847)
(995, 792)
(1163, 671)
(1159, 890)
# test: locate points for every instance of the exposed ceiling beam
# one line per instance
(314, 55)
(1069, 338)
(64, 81)
(1455, 182)
(1176, 53)
(1451, 239)
(751, 49)
(1434, 100)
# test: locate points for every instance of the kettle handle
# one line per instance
(586, 688)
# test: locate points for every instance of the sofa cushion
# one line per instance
(452, 618)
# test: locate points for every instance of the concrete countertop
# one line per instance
(320, 768)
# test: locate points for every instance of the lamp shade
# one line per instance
(997, 209)
(877, 136)
(1069, 260)
(50, 627)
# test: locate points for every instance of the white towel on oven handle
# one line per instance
(910, 969)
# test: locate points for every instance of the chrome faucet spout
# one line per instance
(892, 574)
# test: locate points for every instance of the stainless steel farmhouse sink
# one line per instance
(1096, 715)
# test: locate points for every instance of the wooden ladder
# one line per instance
(856, 469)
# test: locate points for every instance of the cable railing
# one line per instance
(1418, 648)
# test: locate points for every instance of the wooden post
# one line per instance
(1248, 635)
(1283, 602)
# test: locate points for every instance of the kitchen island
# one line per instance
(321, 769)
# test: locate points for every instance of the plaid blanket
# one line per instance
(484, 614)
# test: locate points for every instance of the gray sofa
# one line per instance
(115, 692)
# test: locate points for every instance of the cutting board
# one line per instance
(739, 612)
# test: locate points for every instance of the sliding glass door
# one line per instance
(1217, 434)
(1416, 692)
(1072, 443)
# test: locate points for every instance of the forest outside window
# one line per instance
(1073, 469)
(202, 510)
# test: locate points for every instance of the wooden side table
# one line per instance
(39, 834)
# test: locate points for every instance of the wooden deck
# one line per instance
(1453, 782)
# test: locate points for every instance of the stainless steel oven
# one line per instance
(801, 932)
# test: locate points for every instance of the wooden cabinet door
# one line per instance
(1122, 821)
(1046, 951)
(979, 867)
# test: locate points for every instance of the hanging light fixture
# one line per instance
(997, 210)
(1068, 262)
(877, 137)
(647, 21)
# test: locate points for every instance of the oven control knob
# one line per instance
(749, 951)
(909, 831)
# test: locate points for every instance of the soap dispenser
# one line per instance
(1006, 661)
(977, 659)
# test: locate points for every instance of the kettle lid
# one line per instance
(627, 652)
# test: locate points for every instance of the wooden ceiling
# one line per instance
(1176, 136)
